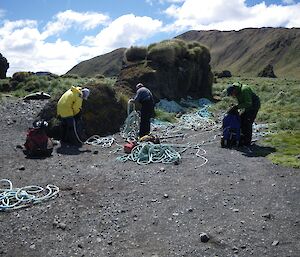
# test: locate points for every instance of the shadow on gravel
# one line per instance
(70, 150)
(256, 150)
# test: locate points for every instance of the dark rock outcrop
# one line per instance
(267, 72)
(223, 74)
(4, 65)
(172, 69)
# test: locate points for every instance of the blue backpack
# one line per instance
(231, 126)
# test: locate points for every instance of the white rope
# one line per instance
(16, 198)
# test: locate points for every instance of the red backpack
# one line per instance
(38, 143)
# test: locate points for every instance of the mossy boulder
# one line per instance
(171, 69)
(223, 74)
(267, 72)
(103, 113)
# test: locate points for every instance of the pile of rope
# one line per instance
(147, 152)
(16, 198)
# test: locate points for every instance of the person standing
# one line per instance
(248, 101)
(68, 110)
(145, 98)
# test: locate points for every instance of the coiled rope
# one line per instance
(147, 152)
(16, 198)
(94, 140)
(100, 141)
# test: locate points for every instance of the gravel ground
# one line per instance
(245, 204)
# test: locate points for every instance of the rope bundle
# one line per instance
(100, 141)
(147, 152)
(16, 198)
(131, 126)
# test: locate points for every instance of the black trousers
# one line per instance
(247, 120)
(69, 136)
(147, 112)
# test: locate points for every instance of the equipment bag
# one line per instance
(231, 130)
(38, 144)
(129, 146)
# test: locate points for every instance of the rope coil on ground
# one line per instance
(16, 198)
(100, 141)
(147, 152)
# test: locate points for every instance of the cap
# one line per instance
(85, 93)
(230, 90)
(139, 85)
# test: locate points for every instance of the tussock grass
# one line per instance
(169, 52)
(165, 116)
(135, 53)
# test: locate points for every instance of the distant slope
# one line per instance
(108, 65)
(247, 51)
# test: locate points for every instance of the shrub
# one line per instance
(167, 52)
(21, 76)
(134, 54)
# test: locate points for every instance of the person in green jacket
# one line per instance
(68, 110)
(250, 103)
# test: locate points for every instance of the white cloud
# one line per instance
(26, 48)
(67, 19)
(288, 1)
(230, 15)
(151, 2)
(124, 31)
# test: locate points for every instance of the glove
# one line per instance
(234, 110)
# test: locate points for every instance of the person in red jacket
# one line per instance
(250, 103)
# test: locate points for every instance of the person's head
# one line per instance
(138, 86)
(85, 92)
(232, 90)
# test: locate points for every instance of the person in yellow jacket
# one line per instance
(68, 110)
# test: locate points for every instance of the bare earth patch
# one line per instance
(245, 204)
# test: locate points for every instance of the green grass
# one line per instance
(165, 116)
(52, 86)
(280, 100)
(287, 144)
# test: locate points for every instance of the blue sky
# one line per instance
(55, 35)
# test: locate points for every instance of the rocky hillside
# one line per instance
(248, 51)
(108, 65)
(244, 52)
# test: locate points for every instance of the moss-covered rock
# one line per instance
(172, 69)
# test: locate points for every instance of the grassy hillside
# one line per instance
(248, 51)
(108, 65)
(280, 100)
